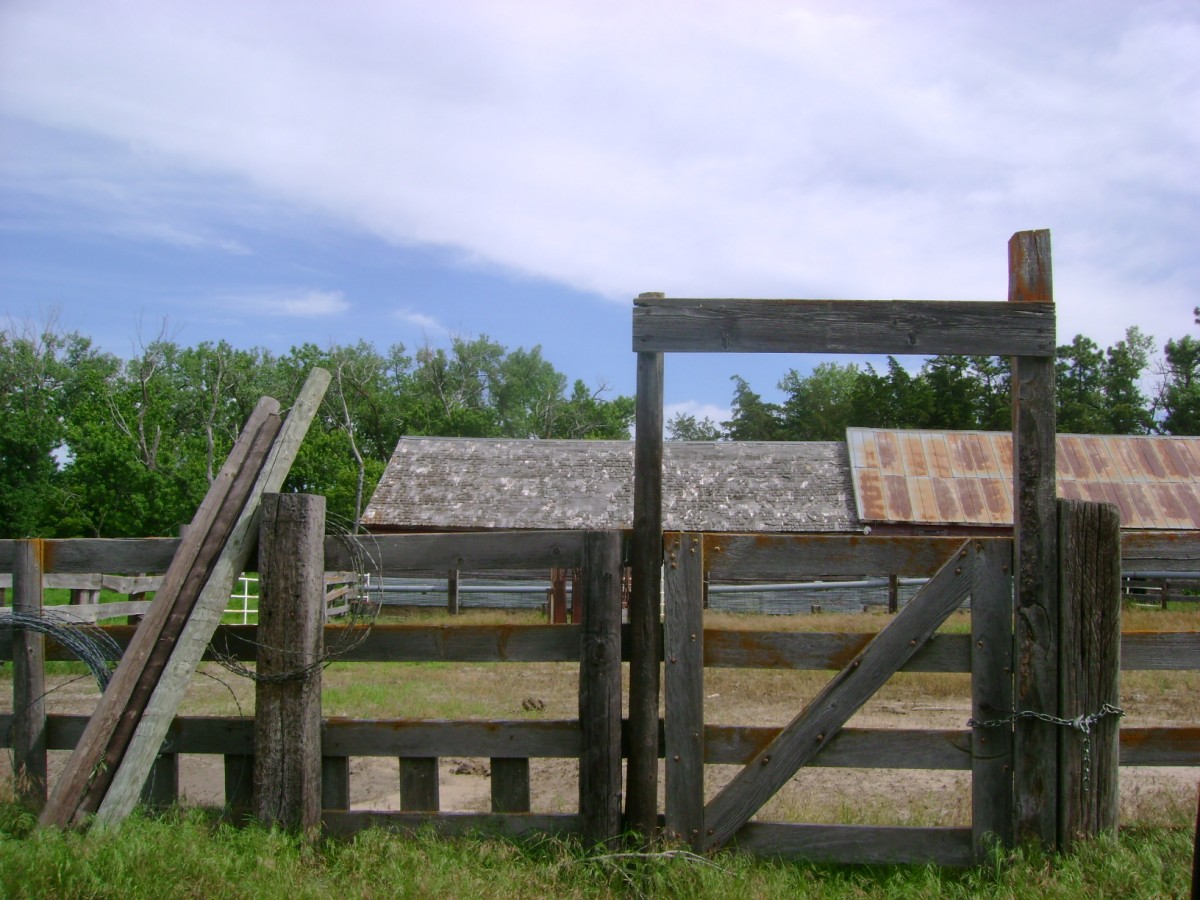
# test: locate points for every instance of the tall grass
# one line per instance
(193, 854)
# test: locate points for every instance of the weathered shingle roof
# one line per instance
(965, 477)
(461, 483)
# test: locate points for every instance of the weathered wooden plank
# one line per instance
(419, 784)
(507, 825)
(162, 784)
(239, 785)
(728, 648)
(510, 785)
(645, 600)
(394, 554)
(111, 794)
(991, 698)
(206, 614)
(685, 652)
(600, 689)
(1089, 571)
(111, 555)
(287, 694)
(29, 681)
(96, 612)
(335, 782)
(456, 643)
(804, 736)
(924, 328)
(859, 844)
(73, 782)
(871, 748)
(786, 557)
(1036, 557)
(850, 748)
(1150, 551)
(1156, 650)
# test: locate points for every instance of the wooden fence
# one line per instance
(688, 741)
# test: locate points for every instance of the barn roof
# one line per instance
(965, 477)
(462, 483)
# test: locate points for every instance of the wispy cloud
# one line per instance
(699, 411)
(299, 303)
(425, 322)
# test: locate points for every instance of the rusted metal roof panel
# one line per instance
(947, 478)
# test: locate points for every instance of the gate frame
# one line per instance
(1024, 329)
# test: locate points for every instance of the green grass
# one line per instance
(193, 854)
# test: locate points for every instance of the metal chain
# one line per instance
(1081, 723)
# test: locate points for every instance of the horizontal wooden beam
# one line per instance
(915, 327)
(1160, 551)
(852, 748)
(859, 844)
(725, 648)
(343, 823)
(790, 557)
(479, 551)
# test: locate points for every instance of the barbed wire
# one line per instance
(359, 619)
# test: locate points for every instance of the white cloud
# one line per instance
(422, 321)
(861, 149)
(301, 303)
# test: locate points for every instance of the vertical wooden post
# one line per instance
(335, 782)
(510, 785)
(162, 784)
(239, 785)
(419, 784)
(29, 678)
(558, 596)
(1089, 545)
(578, 598)
(1035, 531)
(600, 690)
(453, 598)
(645, 600)
(893, 593)
(291, 612)
(684, 649)
(991, 698)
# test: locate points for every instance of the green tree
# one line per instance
(1080, 388)
(753, 419)
(1126, 407)
(894, 400)
(686, 427)
(1179, 394)
(819, 406)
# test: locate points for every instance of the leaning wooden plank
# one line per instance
(126, 785)
(206, 558)
(804, 737)
(72, 783)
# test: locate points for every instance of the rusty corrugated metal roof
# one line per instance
(965, 477)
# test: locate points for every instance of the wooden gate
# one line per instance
(978, 569)
(1023, 328)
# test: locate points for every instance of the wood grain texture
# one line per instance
(991, 698)
(287, 712)
(600, 690)
(335, 782)
(859, 844)
(805, 735)
(419, 784)
(1035, 531)
(645, 600)
(1174, 551)
(780, 557)
(727, 648)
(1089, 667)
(394, 554)
(207, 612)
(29, 680)
(684, 677)
(925, 328)
(510, 784)
(851, 748)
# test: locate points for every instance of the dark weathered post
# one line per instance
(600, 690)
(893, 592)
(29, 674)
(1035, 531)
(684, 649)
(1089, 569)
(645, 599)
(453, 598)
(287, 716)
(558, 596)
(419, 784)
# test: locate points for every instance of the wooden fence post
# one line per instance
(684, 648)
(1089, 549)
(29, 678)
(287, 712)
(645, 599)
(1035, 530)
(600, 690)
(453, 598)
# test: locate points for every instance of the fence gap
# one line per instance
(29, 678)
(287, 699)
(1089, 569)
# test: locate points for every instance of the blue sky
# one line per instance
(275, 173)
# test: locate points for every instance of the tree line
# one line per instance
(98, 446)
(1098, 392)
